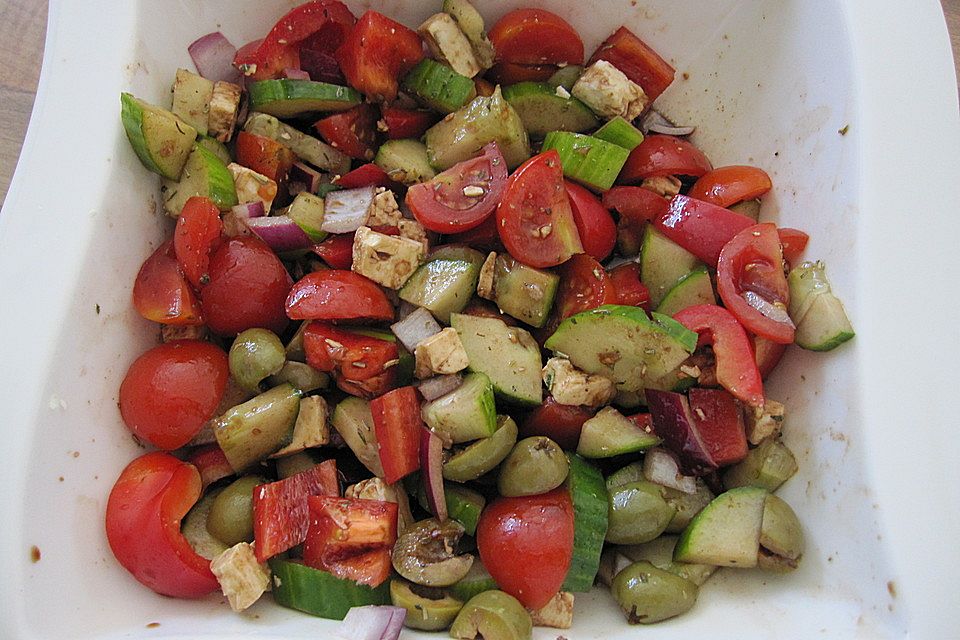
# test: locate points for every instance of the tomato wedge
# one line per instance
(793, 242)
(624, 50)
(536, 37)
(407, 123)
(265, 156)
(367, 175)
(336, 250)
(377, 53)
(595, 225)
(463, 196)
(534, 217)
(700, 227)
(198, 232)
(506, 73)
(636, 204)
(630, 290)
(559, 422)
(161, 292)
(725, 186)
(584, 285)
(768, 355)
(661, 155)
(353, 131)
(397, 422)
(351, 354)
(337, 294)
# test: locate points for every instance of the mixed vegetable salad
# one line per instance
(454, 326)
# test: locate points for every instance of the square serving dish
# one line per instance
(851, 107)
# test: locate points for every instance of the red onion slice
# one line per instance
(295, 74)
(213, 56)
(347, 210)
(280, 233)
(437, 386)
(417, 326)
(306, 175)
(655, 122)
(767, 308)
(372, 622)
(249, 210)
(661, 467)
(431, 471)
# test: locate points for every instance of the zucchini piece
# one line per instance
(589, 496)
(483, 455)
(445, 284)
(526, 293)
(566, 77)
(544, 109)
(727, 532)
(250, 432)
(592, 162)
(609, 434)
(203, 175)
(438, 87)
(692, 289)
(405, 161)
(663, 263)
(161, 140)
(466, 413)
(307, 211)
(319, 154)
(191, 99)
(620, 132)
(822, 323)
(287, 98)
(471, 23)
(319, 593)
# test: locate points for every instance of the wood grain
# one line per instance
(22, 29)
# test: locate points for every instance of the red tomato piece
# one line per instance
(397, 422)
(172, 390)
(407, 123)
(353, 131)
(248, 286)
(737, 370)
(534, 217)
(516, 534)
(660, 155)
(483, 236)
(631, 292)
(584, 285)
(367, 175)
(484, 88)
(536, 37)
(700, 227)
(637, 61)
(320, 65)
(750, 278)
(595, 225)
(507, 73)
(719, 421)
(337, 294)
(161, 292)
(280, 513)
(369, 388)
(264, 155)
(352, 354)
(212, 464)
(259, 61)
(635, 204)
(463, 196)
(793, 243)
(198, 232)
(725, 186)
(143, 517)
(377, 53)
(768, 355)
(336, 251)
(559, 422)
(642, 420)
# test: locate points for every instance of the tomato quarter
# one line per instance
(353, 131)
(595, 225)
(377, 53)
(198, 232)
(660, 155)
(726, 186)
(536, 37)
(637, 61)
(161, 292)
(337, 295)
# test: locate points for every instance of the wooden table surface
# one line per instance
(22, 29)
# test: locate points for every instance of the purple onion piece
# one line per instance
(213, 56)
(321, 66)
(431, 471)
(372, 622)
(660, 466)
(438, 386)
(295, 74)
(280, 233)
(249, 210)
(303, 173)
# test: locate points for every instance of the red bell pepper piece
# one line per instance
(336, 250)
(700, 227)
(637, 61)
(793, 242)
(396, 418)
(212, 464)
(719, 421)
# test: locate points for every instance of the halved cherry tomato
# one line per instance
(660, 155)
(584, 285)
(736, 364)
(367, 175)
(337, 294)
(265, 156)
(463, 196)
(725, 186)
(407, 123)
(534, 218)
(598, 231)
(486, 236)
(336, 250)
(793, 242)
(515, 535)
(397, 422)
(631, 292)
(161, 292)
(248, 286)
(198, 232)
(143, 517)
(751, 266)
(507, 73)
(768, 355)
(559, 422)
(636, 204)
(700, 227)
(377, 53)
(353, 131)
(719, 424)
(363, 365)
(536, 37)
(211, 462)
(637, 61)
(172, 390)
(259, 61)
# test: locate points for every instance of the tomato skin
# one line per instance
(536, 37)
(768, 355)
(247, 288)
(630, 290)
(660, 155)
(264, 155)
(337, 294)
(353, 131)
(359, 363)
(624, 50)
(584, 285)
(504, 73)
(595, 225)
(377, 53)
(161, 292)
(198, 232)
(258, 60)
(440, 204)
(336, 250)
(700, 227)
(211, 462)
(397, 422)
(516, 534)
(143, 517)
(793, 242)
(559, 422)
(725, 186)
(172, 390)
(484, 236)
(534, 218)
(367, 175)
(635, 204)
(753, 261)
(407, 123)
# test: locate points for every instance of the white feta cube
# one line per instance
(610, 93)
(558, 613)
(242, 579)
(224, 106)
(449, 44)
(763, 422)
(387, 260)
(413, 230)
(487, 271)
(252, 186)
(441, 353)
(384, 210)
(568, 385)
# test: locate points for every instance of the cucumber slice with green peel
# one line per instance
(663, 263)
(194, 528)
(620, 132)
(483, 455)
(319, 593)
(428, 609)
(203, 175)
(477, 580)
(526, 293)
(161, 140)
(191, 99)
(287, 98)
(592, 162)
(405, 161)
(509, 356)
(354, 422)
(317, 153)
(250, 432)
(566, 77)
(307, 211)
(471, 23)
(445, 284)
(624, 344)
(463, 505)
(466, 413)
(438, 87)
(727, 532)
(768, 466)
(543, 110)
(822, 324)
(215, 147)
(609, 434)
(692, 289)
(688, 505)
(589, 497)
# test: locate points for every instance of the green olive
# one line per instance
(687, 505)
(300, 375)
(428, 608)
(295, 463)
(781, 536)
(535, 465)
(425, 553)
(647, 594)
(194, 528)
(483, 455)
(231, 516)
(493, 615)
(254, 355)
(637, 513)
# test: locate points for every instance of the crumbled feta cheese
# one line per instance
(609, 93)
(242, 579)
(558, 613)
(666, 186)
(568, 385)
(562, 92)
(384, 210)
(439, 354)
(413, 230)
(310, 429)
(485, 282)
(763, 422)
(449, 44)
(387, 260)
(224, 105)
(252, 186)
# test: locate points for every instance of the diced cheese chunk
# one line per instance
(224, 105)
(377, 489)
(763, 422)
(387, 260)
(568, 385)
(666, 186)
(558, 613)
(384, 210)
(252, 186)
(449, 44)
(441, 353)
(413, 230)
(310, 429)
(485, 282)
(171, 332)
(609, 93)
(242, 579)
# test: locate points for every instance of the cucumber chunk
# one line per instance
(463, 505)
(286, 98)
(215, 147)
(307, 211)
(203, 175)
(592, 162)
(161, 140)
(445, 284)
(251, 431)
(438, 87)
(620, 132)
(483, 455)
(822, 323)
(609, 434)
(466, 413)
(317, 153)
(354, 422)
(566, 77)
(543, 110)
(319, 593)
(526, 293)
(692, 289)
(589, 496)
(191, 99)
(727, 532)
(663, 263)
(405, 161)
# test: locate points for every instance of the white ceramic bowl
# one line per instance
(769, 83)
